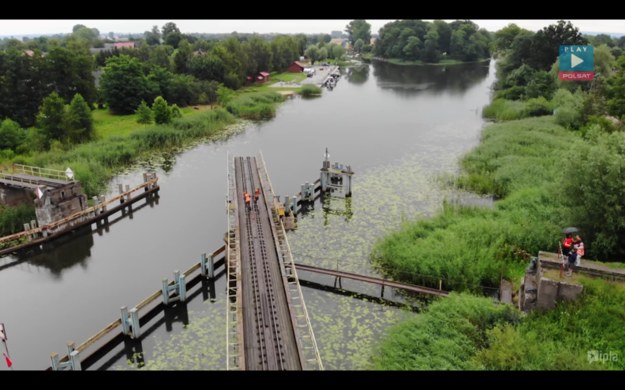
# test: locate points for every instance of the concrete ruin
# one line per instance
(60, 202)
(542, 293)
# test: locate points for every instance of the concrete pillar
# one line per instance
(124, 318)
(75, 361)
(134, 323)
(165, 291)
(211, 266)
(55, 361)
(294, 204)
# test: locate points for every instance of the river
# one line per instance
(402, 129)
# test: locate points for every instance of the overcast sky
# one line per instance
(19, 28)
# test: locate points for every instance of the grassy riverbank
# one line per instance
(121, 142)
(464, 332)
(469, 248)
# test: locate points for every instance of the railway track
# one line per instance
(270, 341)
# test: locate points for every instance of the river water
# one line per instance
(402, 129)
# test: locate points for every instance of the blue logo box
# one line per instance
(577, 58)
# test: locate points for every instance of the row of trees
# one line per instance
(26, 78)
(432, 41)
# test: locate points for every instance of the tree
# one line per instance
(171, 34)
(430, 48)
(323, 53)
(604, 61)
(161, 56)
(11, 134)
(312, 53)
(336, 52)
(79, 120)
(175, 111)
(505, 37)
(358, 29)
(546, 43)
(258, 52)
(162, 113)
(22, 86)
(285, 49)
(541, 84)
(615, 90)
(597, 194)
(153, 37)
(144, 113)
(359, 45)
(69, 72)
(182, 56)
(207, 67)
(124, 85)
(51, 118)
(88, 35)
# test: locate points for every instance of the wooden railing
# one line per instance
(86, 212)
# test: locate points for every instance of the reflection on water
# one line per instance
(410, 80)
(358, 74)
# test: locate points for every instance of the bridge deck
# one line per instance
(269, 336)
(22, 180)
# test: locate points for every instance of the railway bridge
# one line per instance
(268, 324)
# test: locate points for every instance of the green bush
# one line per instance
(309, 90)
(12, 219)
(255, 106)
(445, 337)
(471, 248)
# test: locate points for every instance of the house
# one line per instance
(262, 77)
(296, 67)
(126, 45)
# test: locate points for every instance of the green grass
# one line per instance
(310, 90)
(108, 125)
(470, 248)
(463, 332)
(445, 337)
(287, 76)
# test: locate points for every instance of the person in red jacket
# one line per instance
(567, 244)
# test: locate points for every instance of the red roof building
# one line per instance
(296, 67)
(262, 77)
(127, 45)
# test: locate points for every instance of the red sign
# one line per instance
(577, 76)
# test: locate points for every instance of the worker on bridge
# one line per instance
(247, 201)
(256, 195)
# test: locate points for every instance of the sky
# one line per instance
(22, 27)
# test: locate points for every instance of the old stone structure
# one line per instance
(540, 292)
(60, 202)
